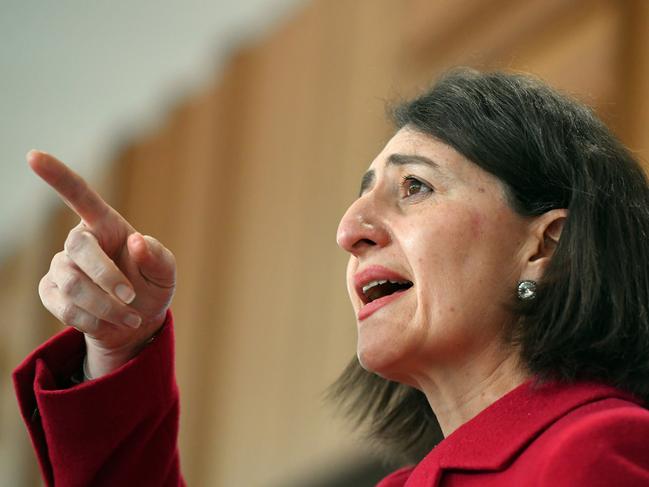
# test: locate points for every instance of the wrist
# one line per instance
(84, 369)
(97, 363)
(100, 361)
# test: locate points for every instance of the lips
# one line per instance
(377, 286)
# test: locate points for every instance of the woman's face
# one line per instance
(439, 230)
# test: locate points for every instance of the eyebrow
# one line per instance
(396, 160)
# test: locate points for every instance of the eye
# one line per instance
(413, 186)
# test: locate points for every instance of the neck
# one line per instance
(459, 394)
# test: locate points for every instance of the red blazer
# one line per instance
(122, 429)
(119, 430)
(553, 435)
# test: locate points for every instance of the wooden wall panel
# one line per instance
(246, 181)
(633, 87)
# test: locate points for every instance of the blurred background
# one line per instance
(236, 133)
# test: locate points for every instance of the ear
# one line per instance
(545, 232)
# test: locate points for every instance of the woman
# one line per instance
(489, 270)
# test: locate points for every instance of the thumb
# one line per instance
(156, 263)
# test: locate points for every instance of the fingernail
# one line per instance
(132, 320)
(125, 293)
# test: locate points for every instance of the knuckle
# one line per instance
(71, 243)
(42, 284)
(58, 260)
(43, 288)
(68, 314)
(87, 321)
(71, 285)
(60, 268)
(103, 275)
(104, 309)
(76, 241)
(99, 272)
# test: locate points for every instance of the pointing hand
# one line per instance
(110, 282)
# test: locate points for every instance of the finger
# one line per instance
(64, 311)
(156, 263)
(72, 188)
(76, 288)
(84, 250)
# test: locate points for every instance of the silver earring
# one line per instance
(526, 290)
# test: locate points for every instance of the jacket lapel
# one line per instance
(492, 439)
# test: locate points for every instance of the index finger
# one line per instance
(71, 187)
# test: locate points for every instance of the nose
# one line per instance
(361, 228)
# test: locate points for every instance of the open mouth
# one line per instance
(377, 286)
(380, 288)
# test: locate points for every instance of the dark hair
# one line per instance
(590, 320)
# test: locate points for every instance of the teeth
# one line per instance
(370, 285)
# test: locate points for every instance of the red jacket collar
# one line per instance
(491, 439)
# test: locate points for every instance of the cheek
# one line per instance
(453, 260)
(445, 241)
(476, 225)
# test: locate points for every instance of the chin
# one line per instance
(381, 360)
(390, 359)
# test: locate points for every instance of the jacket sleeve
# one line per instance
(603, 449)
(120, 429)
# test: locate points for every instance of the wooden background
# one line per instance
(246, 181)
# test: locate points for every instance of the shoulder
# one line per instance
(397, 478)
(599, 444)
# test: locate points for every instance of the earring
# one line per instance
(526, 290)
